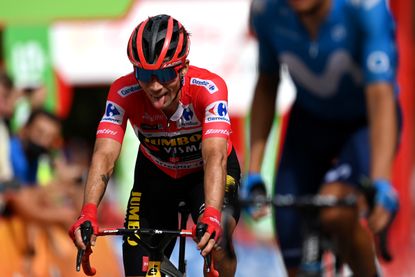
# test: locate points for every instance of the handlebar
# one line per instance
(87, 231)
(315, 202)
(307, 201)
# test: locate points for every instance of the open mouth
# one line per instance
(158, 97)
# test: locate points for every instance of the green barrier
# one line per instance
(47, 11)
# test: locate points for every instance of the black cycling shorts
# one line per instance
(154, 201)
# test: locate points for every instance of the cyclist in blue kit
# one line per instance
(343, 126)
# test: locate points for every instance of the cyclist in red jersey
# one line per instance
(180, 115)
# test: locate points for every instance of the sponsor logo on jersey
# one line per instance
(325, 83)
(128, 90)
(188, 118)
(341, 172)
(338, 32)
(174, 141)
(133, 217)
(208, 84)
(113, 113)
(217, 131)
(106, 132)
(217, 112)
(154, 117)
(378, 62)
(151, 127)
(174, 149)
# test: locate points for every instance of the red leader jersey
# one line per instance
(174, 145)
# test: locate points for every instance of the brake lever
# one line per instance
(382, 241)
(208, 262)
(381, 238)
(86, 233)
(200, 231)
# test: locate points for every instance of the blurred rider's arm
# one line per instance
(262, 117)
(383, 120)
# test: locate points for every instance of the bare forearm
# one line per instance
(262, 116)
(98, 178)
(215, 158)
(103, 161)
(383, 130)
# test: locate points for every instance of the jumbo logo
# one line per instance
(217, 112)
(133, 217)
(208, 84)
(113, 113)
(177, 141)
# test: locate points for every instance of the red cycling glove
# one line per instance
(212, 218)
(88, 213)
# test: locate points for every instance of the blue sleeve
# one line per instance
(379, 47)
(259, 24)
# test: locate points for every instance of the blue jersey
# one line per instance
(24, 170)
(355, 46)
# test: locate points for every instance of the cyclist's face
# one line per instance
(163, 95)
(307, 7)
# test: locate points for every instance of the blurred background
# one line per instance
(63, 55)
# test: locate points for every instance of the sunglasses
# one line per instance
(164, 75)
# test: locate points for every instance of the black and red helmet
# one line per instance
(158, 42)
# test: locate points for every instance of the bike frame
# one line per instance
(158, 263)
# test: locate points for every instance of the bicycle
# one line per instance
(158, 264)
(314, 245)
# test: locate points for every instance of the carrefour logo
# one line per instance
(208, 84)
(113, 113)
(217, 112)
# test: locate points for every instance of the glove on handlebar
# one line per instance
(212, 218)
(253, 187)
(88, 212)
(386, 195)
